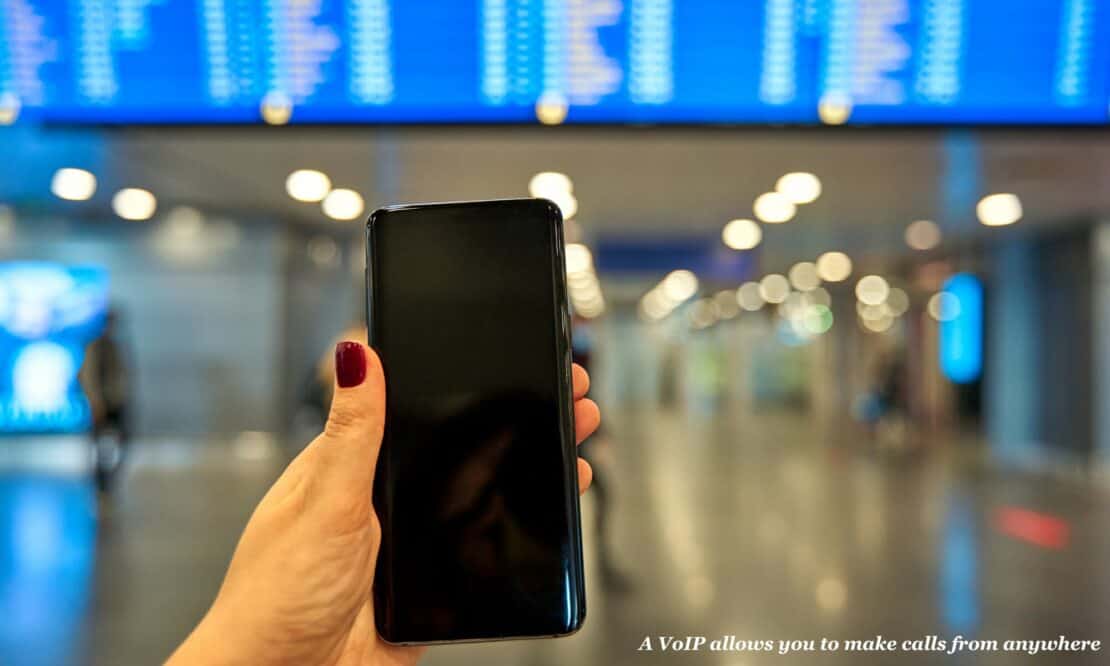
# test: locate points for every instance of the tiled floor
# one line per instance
(756, 527)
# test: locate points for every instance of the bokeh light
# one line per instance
(996, 210)
(133, 203)
(803, 275)
(742, 234)
(774, 288)
(799, 187)
(834, 267)
(773, 208)
(308, 185)
(73, 184)
(872, 289)
(343, 204)
(923, 235)
(749, 296)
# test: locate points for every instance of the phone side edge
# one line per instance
(382, 591)
(564, 336)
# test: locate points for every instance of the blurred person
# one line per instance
(892, 425)
(298, 589)
(883, 407)
(106, 380)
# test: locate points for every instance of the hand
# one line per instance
(298, 590)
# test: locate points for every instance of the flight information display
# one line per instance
(552, 61)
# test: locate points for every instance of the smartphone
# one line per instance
(477, 480)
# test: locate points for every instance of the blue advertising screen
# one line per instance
(961, 329)
(49, 313)
(587, 61)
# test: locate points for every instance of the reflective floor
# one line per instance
(759, 527)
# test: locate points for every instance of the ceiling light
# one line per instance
(276, 108)
(727, 307)
(551, 109)
(872, 290)
(567, 203)
(997, 210)
(834, 267)
(308, 185)
(546, 183)
(579, 258)
(803, 275)
(773, 208)
(654, 305)
(742, 234)
(799, 187)
(748, 296)
(680, 285)
(135, 204)
(343, 204)
(73, 184)
(774, 288)
(834, 108)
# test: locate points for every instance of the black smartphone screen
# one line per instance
(476, 487)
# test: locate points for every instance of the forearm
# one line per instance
(226, 638)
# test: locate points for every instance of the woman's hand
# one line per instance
(298, 590)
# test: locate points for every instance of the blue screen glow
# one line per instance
(608, 61)
(47, 550)
(48, 314)
(961, 329)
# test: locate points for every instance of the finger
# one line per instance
(353, 434)
(585, 475)
(587, 417)
(581, 381)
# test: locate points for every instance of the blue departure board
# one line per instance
(575, 61)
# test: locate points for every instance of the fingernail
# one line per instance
(350, 364)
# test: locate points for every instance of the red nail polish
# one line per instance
(350, 364)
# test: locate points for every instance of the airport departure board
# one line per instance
(575, 61)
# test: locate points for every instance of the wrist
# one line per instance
(216, 642)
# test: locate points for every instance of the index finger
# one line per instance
(581, 380)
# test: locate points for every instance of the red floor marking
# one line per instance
(1039, 529)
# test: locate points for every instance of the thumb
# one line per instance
(353, 433)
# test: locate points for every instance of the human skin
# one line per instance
(298, 589)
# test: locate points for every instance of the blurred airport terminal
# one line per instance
(840, 270)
